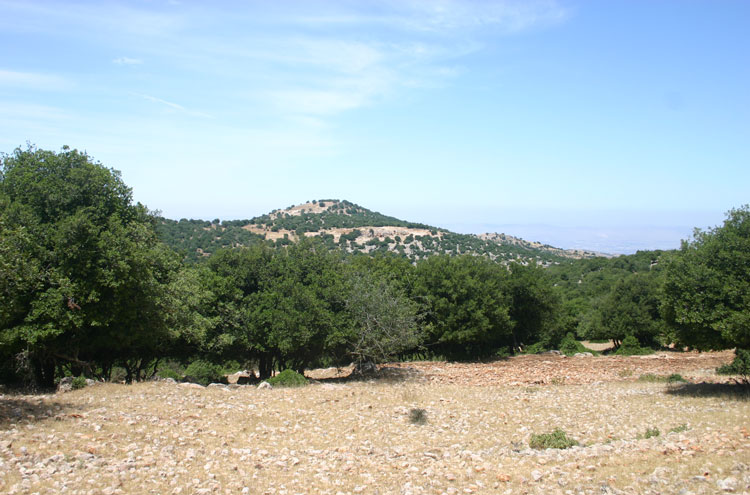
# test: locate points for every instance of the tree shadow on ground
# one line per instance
(734, 391)
(24, 409)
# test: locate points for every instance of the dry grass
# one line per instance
(356, 437)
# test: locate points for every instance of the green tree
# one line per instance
(302, 307)
(631, 307)
(464, 304)
(234, 279)
(85, 276)
(385, 320)
(707, 289)
(535, 307)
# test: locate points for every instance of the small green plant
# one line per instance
(537, 348)
(204, 372)
(417, 416)
(675, 378)
(78, 382)
(558, 439)
(170, 369)
(169, 373)
(625, 373)
(679, 429)
(503, 353)
(569, 346)
(631, 347)
(651, 432)
(288, 378)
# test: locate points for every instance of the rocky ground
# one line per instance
(344, 436)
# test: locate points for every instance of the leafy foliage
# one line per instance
(417, 416)
(288, 378)
(465, 307)
(569, 346)
(204, 372)
(651, 432)
(385, 320)
(88, 287)
(83, 274)
(707, 289)
(739, 366)
(631, 347)
(630, 308)
(78, 382)
(558, 439)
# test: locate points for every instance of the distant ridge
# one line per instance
(345, 225)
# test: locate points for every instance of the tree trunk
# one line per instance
(265, 366)
(44, 373)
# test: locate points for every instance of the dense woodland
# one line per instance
(94, 284)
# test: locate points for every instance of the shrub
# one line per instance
(558, 439)
(570, 346)
(679, 429)
(675, 378)
(537, 348)
(651, 432)
(78, 382)
(288, 378)
(418, 416)
(740, 365)
(204, 372)
(170, 369)
(503, 353)
(169, 373)
(631, 347)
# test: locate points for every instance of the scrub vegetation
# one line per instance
(95, 285)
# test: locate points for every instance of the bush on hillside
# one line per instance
(558, 439)
(288, 378)
(204, 372)
(570, 346)
(78, 382)
(631, 347)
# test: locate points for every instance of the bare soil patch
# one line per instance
(342, 437)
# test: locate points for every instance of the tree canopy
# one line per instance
(82, 268)
(707, 288)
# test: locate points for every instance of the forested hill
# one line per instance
(345, 225)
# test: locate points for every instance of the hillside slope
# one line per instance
(345, 225)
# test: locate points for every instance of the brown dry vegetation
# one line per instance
(345, 436)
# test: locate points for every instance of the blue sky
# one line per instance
(610, 125)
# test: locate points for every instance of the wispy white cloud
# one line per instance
(446, 17)
(174, 106)
(417, 45)
(34, 80)
(127, 61)
(292, 66)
